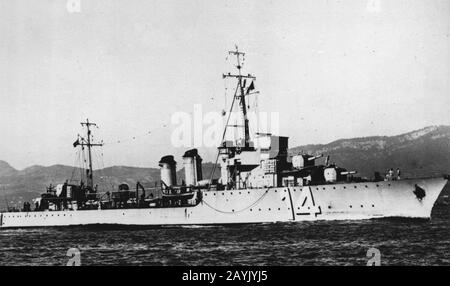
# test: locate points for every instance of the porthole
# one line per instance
(334, 188)
(378, 185)
(373, 206)
(259, 209)
(329, 207)
(350, 206)
(269, 209)
(345, 187)
(362, 206)
(231, 193)
(279, 209)
(366, 186)
(356, 187)
(239, 192)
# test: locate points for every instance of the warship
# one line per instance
(258, 184)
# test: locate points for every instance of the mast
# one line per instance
(89, 145)
(241, 95)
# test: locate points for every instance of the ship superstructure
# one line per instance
(258, 183)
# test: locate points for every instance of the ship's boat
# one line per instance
(259, 182)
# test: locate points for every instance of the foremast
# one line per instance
(87, 142)
(240, 94)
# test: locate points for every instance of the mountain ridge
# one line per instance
(420, 152)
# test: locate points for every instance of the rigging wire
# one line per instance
(233, 212)
(77, 154)
(100, 167)
(95, 157)
(223, 136)
(84, 164)
(108, 180)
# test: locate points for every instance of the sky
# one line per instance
(330, 69)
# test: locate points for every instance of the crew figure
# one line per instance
(398, 173)
(390, 175)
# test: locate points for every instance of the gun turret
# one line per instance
(304, 160)
(315, 157)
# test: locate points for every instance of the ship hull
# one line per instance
(411, 198)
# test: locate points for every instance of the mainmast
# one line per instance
(89, 145)
(241, 95)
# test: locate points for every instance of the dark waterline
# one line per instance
(400, 241)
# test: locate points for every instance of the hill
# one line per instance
(418, 153)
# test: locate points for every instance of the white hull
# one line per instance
(353, 201)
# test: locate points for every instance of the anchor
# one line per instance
(419, 192)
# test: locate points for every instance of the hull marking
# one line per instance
(292, 205)
(307, 204)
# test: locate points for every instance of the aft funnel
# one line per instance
(192, 167)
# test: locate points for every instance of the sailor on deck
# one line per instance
(390, 175)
